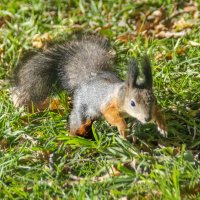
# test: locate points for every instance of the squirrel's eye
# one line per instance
(132, 103)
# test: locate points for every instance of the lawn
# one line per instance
(38, 160)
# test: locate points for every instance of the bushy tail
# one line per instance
(85, 58)
(67, 65)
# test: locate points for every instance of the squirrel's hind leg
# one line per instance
(80, 124)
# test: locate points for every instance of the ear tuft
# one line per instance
(132, 73)
(147, 72)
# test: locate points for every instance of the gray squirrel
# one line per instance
(84, 68)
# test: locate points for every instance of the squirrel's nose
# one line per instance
(147, 119)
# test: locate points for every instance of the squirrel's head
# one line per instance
(138, 98)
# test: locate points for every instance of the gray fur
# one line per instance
(89, 57)
(93, 94)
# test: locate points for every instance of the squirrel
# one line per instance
(84, 68)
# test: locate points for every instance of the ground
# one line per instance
(38, 160)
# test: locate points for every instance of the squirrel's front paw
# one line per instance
(162, 127)
(163, 130)
(159, 120)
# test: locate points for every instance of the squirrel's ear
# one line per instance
(147, 72)
(132, 73)
(122, 93)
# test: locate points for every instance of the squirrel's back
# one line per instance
(67, 65)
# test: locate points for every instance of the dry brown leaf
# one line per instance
(39, 41)
(191, 8)
(190, 190)
(193, 43)
(26, 137)
(159, 15)
(159, 56)
(107, 26)
(127, 37)
(40, 106)
(4, 19)
(147, 27)
(176, 151)
(182, 24)
(115, 171)
(151, 195)
(162, 56)
(172, 34)
(1, 52)
(159, 24)
(4, 144)
(160, 27)
(55, 104)
(196, 15)
(44, 155)
(169, 55)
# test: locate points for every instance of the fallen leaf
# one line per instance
(181, 50)
(2, 52)
(159, 56)
(160, 27)
(127, 37)
(55, 104)
(43, 155)
(115, 171)
(158, 23)
(172, 34)
(29, 138)
(193, 43)
(196, 15)
(107, 26)
(191, 8)
(39, 41)
(168, 56)
(190, 190)
(182, 24)
(4, 19)
(4, 144)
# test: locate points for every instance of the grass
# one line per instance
(37, 158)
